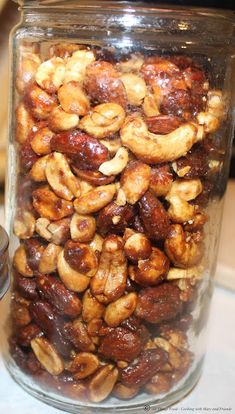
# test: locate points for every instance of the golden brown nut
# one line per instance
(91, 307)
(137, 247)
(59, 120)
(56, 232)
(117, 164)
(152, 271)
(38, 169)
(102, 383)
(133, 64)
(135, 181)
(78, 335)
(48, 261)
(73, 99)
(209, 121)
(20, 262)
(161, 180)
(182, 248)
(136, 88)
(186, 189)
(96, 243)
(49, 206)
(83, 365)
(123, 392)
(189, 273)
(109, 282)
(94, 200)
(24, 224)
(76, 65)
(81, 258)
(105, 120)
(82, 228)
(159, 384)
(73, 280)
(47, 355)
(39, 102)
(116, 312)
(50, 74)
(174, 356)
(24, 123)
(60, 177)
(151, 105)
(216, 104)
(64, 49)
(41, 141)
(27, 68)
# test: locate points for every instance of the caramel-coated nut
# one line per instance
(135, 181)
(20, 314)
(151, 105)
(105, 120)
(47, 355)
(48, 262)
(73, 280)
(82, 228)
(75, 68)
(24, 123)
(77, 333)
(209, 121)
(180, 211)
(81, 258)
(61, 178)
(112, 145)
(50, 74)
(27, 68)
(73, 99)
(38, 169)
(136, 88)
(41, 141)
(117, 164)
(133, 64)
(49, 206)
(94, 200)
(159, 384)
(151, 271)
(186, 189)
(64, 49)
(174, 356)
(60, 120)
(91, 307)
(39, 102)
(116, 312)
(83, 365)
(20, 262)
(24, 224)
(123, 392)
(137, 247)
(175, 273)
(161, 180)
(102, 383)
(96, 243)
(216, 104)
(56, 232)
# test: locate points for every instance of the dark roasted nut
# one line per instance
(94, 327)
(48, 205)
(39, 102)
(26, 287)
(81, 258)
(144, 367)
(27, 333)
(135, 181)
(87, 152)
(114, 218)
(83, 365)
(193, 165)
(64, 50)
(151, 271)
(162, 124)
(154, 217)
(159, 304)
(34, 250)
(73, 99)
(182, 104)
(159, 384)
(123, 392)
(66, 302)
(137, 247)
(76, 332)
(161, 180)
(102, 84)
(20, 314)
(120, 345)
(102, 383)
(93, 177)
(195, 79)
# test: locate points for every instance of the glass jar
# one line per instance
(4, 274)
(120, 144)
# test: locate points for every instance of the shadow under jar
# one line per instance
(120, 144)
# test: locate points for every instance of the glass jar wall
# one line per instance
(119, 150)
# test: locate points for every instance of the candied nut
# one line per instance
(187, 289)
(182, 103)
(60, 120)
(87, 152)
(180, 211)
(174, 356)
(196, 223)
(94, 178)
(136, 89)
(112, 145)
(159, 384)
(24, 123)
(216, 104)
(186, 189)
(57, 232)
(94, 200)
(109, 282)
(20, 314)
(27, 68)
(91, 308)
(39, 102)
(133, 64)
(209, 121)
(162, 124)
(83, 365)
(159, 304)
(73, 280)
(102, 84)
(120, 344)
(153, 148)
(116, 312)
(182, 249)
(26, 287)
(154, 217)
(102, 383)
(73, 99)
(20, 262)
(48, 261)
(116, 165)
(137, 247)
(27, 333)
(161, 180)
(105, 120)
(38, 169)
(24, 224)
(94, 327)
(114, 218)
(52, 290)
(140, 371)
(123, 392)
(34, 251)
(76, 65)
(82, 228)
(49, 206)
(189, 273)
(60, 177)
(64, 50)
(151, 271)
(175, 337)
(47, 355)
(151, 105)
(135, 181)
(50, 74)
(76, 332)
(27, 155)
(41, 141)
(81, 258)
(96, 243)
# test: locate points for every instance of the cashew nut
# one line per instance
(75, 68)
(95, 200)
(112, 145)
(73, 99)
(41, 141)
(209, 121)
(47, 355)
(20, 262)
(117, 164)
(50, 74)
(38, 169)
(116, 312)
(60, 120)
(136, 88)
(105, 120)
(216, 104)
(73, 280)
(154, 148)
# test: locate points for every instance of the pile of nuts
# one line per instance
(116, 165)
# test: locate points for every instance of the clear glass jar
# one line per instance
(4, 274)
(120, 144)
